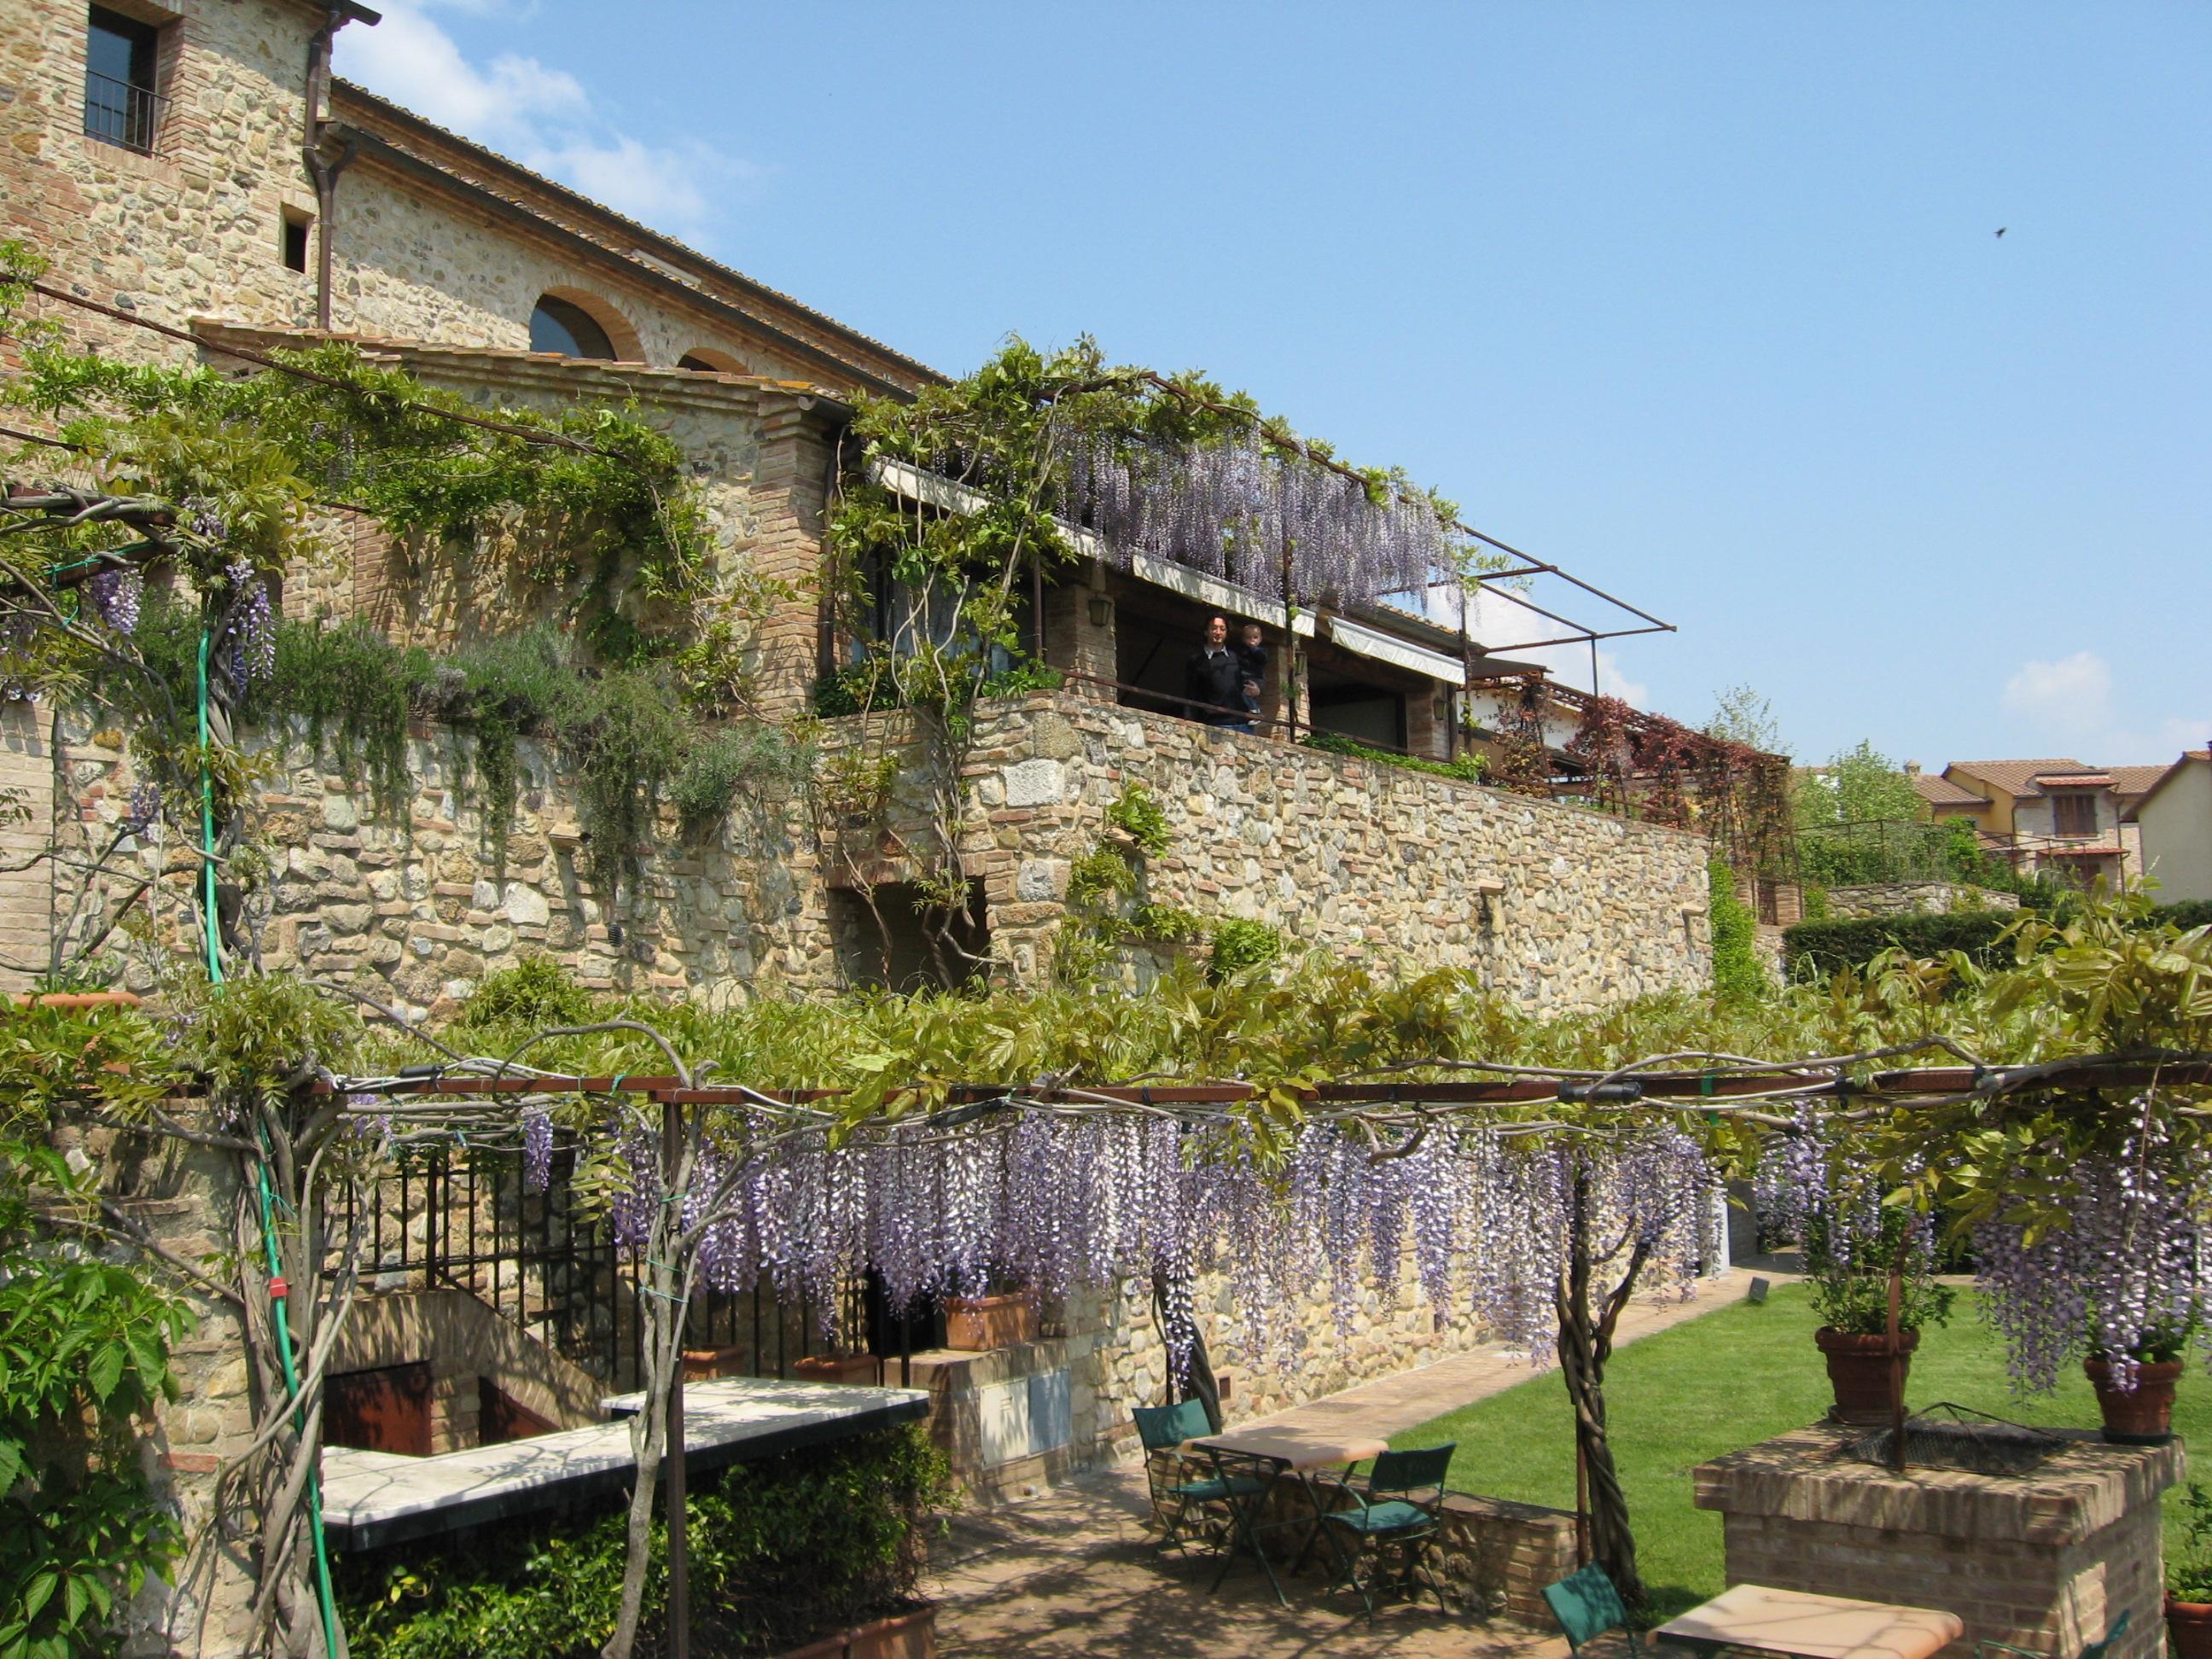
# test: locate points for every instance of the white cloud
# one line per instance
(2070, 705)
(1495, 623)
(2070, 698)
(540, 116)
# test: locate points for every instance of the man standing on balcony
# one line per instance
(1213, 680)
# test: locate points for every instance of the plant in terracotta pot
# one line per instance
(2189, 1579)
(2135, 1383)
(1850, 1296)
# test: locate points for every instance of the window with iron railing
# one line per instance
(121, 59)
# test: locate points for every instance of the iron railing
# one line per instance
(464, 1218)
(119, 112)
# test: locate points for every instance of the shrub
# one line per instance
(1738, 976)
(1239, 944)
(1815, 950)
(779, 1551)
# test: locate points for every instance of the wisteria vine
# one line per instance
(1058, 1202)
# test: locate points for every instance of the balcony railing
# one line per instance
(118, 113)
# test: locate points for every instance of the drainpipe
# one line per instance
(326, 171)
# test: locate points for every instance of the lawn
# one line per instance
(1738, 1375)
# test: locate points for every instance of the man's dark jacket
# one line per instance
(1215, 683)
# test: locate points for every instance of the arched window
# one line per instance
(705, 360)
(564, 326)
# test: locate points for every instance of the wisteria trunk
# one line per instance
(660, 1317)
(1586, 1331)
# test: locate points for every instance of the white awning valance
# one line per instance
(1399, 653)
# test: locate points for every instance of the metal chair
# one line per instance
(1396, 1510)
(1163, 1429)
(1587, 1606)
(2092, 1650)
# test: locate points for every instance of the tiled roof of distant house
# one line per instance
(2017, 777)
(2130, 782)
(1941, 792)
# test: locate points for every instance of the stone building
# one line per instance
(195, 167)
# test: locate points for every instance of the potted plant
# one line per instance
(1852, 1297)
(978, 1323)
(2189, 1580)
(2138, 1411)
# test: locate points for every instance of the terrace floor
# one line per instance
(1073, 1572)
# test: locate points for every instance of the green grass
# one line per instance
(1739, 1374)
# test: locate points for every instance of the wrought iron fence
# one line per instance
(463, 1218)
(122, 113)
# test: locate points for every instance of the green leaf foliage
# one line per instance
(1814, 950)
(780, 1550)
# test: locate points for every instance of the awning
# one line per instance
(1399, 653)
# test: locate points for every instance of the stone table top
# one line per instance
(373, 1498)
(1291, 1447)
(1813, 1627)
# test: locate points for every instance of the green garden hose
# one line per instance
(278, 1290)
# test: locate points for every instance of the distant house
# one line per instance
(2054, 816)
(2173, 817)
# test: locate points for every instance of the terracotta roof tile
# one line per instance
(2015, 777)
(2133, 781)
(1941, 792)
(376, 106)
(277, 334)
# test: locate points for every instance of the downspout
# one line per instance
(324, 171)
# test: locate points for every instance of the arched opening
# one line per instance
(562, 326)
(705, 360)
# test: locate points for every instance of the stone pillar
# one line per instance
(2045, 1560)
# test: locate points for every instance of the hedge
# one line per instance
(780, 1550)
(1814, 950)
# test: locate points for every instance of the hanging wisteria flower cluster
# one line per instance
(2128, 1273)
(252, 640)
(1060, 1202)
(116, 597)
(1244, 511)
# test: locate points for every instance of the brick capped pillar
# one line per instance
(2045, 1560)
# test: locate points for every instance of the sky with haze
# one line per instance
(1703, 303)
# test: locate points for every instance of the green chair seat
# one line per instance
(1396, 1512)
(1392, 1517)
(1587, 1606)
(1213, 1491)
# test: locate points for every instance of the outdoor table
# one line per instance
(1811, 1626)
(1297, 1455)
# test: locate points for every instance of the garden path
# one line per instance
(1072, 1570)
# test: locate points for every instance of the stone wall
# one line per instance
(1899, 899)
(1370, 862)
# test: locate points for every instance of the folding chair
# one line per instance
(1396, 1510)
(1588, 1607)
(1163, 1429)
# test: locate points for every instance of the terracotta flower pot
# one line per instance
(979, 1323)
(905, 1636)
(2189, 1628)
(2142, 1415)
(837, 1368)
(1858, 1369)
(704, 1365)
(78, 1002)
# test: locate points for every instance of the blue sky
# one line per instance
(1702, 302)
